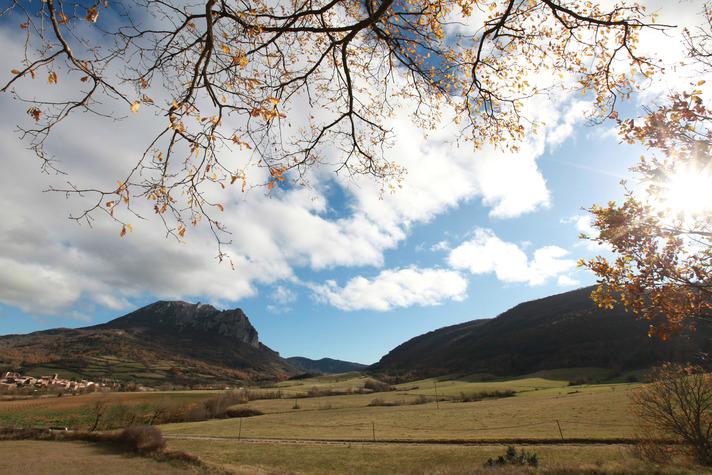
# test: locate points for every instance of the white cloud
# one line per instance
(440, 246)
(283, 295)
(394, 289)
(271, 236)
(486, 253)
(566, 281)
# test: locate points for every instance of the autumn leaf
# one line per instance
(52, 78)
(134, 106)
(220, 207)
(35, 113)
(92, 14)
(24, 25)
(226, 49)
(62, 18)
(123, 231)
(15, 71)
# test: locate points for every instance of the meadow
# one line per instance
(407, 429)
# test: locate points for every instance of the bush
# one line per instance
(382, 402)
(678, 404)
(512, 457)
(142, 439)
(377, 386)
(243, 412)
(480, 395)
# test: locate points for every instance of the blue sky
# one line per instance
(585, 169)
(335, 269)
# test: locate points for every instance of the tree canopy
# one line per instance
(662, 231)
(296, 84)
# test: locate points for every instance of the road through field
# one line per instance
(410, 442)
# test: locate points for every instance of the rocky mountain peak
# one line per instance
(180, 317)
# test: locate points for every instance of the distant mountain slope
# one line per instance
(325, 365)
(165, 342)
(565, 330)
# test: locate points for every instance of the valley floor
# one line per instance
(573, 428)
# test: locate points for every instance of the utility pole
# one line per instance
(239, 431)
(559, 426)
(373, 429)
(437, 403)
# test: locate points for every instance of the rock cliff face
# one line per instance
(182, 317)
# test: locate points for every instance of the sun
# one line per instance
(687, 192)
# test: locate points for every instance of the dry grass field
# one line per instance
(583, 412)
(425, 438)
(65, 458)
(77, 411)
(289, 458)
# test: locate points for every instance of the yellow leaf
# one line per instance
(226, 49)
(134, 106)
(701, 82)
(52, 78)
(92, 14)
(129, 228)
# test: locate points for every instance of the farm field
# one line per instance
(597, 411)
(64, 458)
(77, 411)
(280, 458)
(407, 431)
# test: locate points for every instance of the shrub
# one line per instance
(678, 404)
(243, 412)
(142, 439)
(377, 386)
(382, 402)
(513, 457)
(480, 395)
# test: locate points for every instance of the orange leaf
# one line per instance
(135, 105)
(123, 231)
(52, 78)
(92, 14)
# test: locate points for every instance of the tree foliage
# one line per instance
(662, 232)
(293, 84)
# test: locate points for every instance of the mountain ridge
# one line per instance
(558, 331)
(325, 365)
(166, 342)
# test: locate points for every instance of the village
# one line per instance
(13, 382)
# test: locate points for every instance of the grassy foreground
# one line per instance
(276, 458)
(64, 458)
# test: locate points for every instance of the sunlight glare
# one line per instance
(688, 192)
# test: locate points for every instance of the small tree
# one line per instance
(678, 403)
